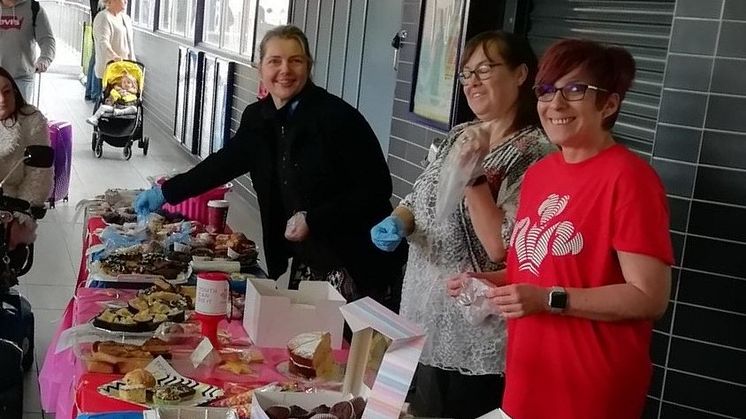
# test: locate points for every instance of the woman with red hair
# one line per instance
(588, 268)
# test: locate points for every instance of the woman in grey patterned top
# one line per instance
(460, 368)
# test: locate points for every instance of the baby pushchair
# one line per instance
(123, 130)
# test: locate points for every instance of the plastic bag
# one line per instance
(296, 228)
(182, 236)
(117, 238)
(113, 240)
(473, 301)
(462, 164)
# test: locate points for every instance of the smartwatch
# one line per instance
(557, 300)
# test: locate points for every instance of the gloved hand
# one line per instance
(149, 201)
(387, 234)
(474, 145)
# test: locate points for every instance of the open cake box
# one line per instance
(386, 396)
(272, 316)
(190, 413)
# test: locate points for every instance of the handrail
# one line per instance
(66, 3)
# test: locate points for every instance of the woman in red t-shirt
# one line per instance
(588, 268)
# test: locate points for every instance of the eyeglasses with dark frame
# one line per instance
(483, 72)
(571, 92)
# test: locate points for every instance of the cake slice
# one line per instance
(311, 355)
(136, 383)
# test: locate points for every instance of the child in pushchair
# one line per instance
(122, 99)
(119, 119)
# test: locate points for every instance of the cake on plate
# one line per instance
(311, 355)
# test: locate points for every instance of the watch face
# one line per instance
(558, 299)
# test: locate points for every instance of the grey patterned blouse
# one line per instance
(437, 251)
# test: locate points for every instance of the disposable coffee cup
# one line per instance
(217, 214)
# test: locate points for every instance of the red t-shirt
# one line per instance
(572, 220)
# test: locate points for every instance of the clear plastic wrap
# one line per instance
(119, 352)
(473, 301)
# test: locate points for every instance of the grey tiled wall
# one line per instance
(699, 348)
(410, 139)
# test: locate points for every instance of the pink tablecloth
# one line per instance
(66, 388)
(60, 371)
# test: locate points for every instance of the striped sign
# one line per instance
(390, 388)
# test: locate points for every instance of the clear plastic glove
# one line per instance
(462, 164)
(149, 201)
(297, 229)
(22, 230)
(475, 145)
(387, 234)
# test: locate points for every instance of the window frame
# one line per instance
(190, 30)
(248, 30)
(133, 5)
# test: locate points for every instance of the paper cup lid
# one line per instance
(213, 276)
(218, 203)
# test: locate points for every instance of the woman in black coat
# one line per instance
(313, 156)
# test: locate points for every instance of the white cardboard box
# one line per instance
(272, 317)
(190, 413)
(386, 397)
(495, 414)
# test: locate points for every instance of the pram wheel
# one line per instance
(144, 144)
(127, 152)
(94, 140)
(99, 150)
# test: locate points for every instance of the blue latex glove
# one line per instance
(149, 201)
(387, 234)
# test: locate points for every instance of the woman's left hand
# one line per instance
(297, 229)
(455, 285)
(475, 142)
(518, 300)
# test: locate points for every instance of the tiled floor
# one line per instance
(49, 285)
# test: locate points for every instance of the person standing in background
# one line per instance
(23, 25)
(112, 35)
(93, 83)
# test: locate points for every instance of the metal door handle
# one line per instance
(396, 43)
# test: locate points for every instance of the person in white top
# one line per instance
(112, 35)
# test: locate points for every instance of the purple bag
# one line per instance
(61, 139)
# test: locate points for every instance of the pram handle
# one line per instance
(138, 63)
